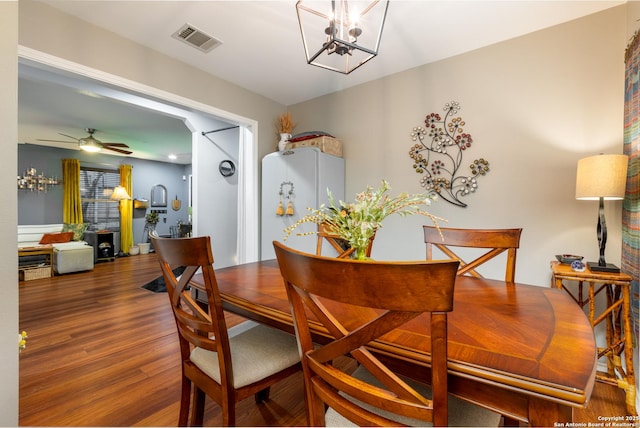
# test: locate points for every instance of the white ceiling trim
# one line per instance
(130, 86)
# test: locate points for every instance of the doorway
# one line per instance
(192, 113)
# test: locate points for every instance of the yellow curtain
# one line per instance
(71, 203)
(126, 210)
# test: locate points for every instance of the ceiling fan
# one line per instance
(91, 144)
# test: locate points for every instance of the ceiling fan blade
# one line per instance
(69, 136)
(126, 152)
(115, 145)
(58, 141)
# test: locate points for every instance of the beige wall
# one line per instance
(8, 215)
(534, 106)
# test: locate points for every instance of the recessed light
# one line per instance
(173, 157)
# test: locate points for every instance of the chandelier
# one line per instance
(341, 35)
(33, 181)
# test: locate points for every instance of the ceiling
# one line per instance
(262, 51)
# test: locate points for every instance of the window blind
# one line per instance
(96, 187)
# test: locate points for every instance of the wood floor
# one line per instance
(102, 351)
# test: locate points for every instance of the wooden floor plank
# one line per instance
(102, 351)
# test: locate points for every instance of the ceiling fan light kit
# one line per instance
(89, 146)
(92, 144)
(341, 35)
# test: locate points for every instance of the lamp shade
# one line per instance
(601, 176)
(120, 193)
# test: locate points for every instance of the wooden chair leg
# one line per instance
(263, 395)
(197, 414)
(185, 401)
(229, 414)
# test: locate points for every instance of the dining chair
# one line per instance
(341, 246)
(494, 241)
(226, 367)
(387, 294)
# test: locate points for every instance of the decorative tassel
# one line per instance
(280, 210)
(289, 208)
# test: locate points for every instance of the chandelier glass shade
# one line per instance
(341, 35)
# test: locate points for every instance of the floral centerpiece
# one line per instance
(358, 221)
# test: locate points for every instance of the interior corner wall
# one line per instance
(8, 215)
(534, 106)
(216, 209)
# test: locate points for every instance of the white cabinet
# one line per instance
(303, 176)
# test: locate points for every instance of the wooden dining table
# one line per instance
(525, 351)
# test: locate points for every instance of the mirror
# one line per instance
(158, 196)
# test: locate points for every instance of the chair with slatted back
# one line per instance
(387, 294)
(495, 241)
(224, 366)
(341, 246)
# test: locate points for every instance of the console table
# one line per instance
(617, 318)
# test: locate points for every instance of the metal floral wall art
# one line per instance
(438, 156)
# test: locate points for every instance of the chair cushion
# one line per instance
(72, 245)
(255, 354)
(461, 413)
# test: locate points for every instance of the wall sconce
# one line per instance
(341, 35)
(33, 181)
(600, 178)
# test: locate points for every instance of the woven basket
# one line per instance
(29, 274)
(328, 145)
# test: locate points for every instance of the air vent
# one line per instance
(196, 38)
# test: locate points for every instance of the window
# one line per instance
(96, 187)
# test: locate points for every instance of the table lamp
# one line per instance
(602, 177)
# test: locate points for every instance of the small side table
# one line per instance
(38, 250)
(102, 243)
(617, 316)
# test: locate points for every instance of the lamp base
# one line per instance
(609, 267)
